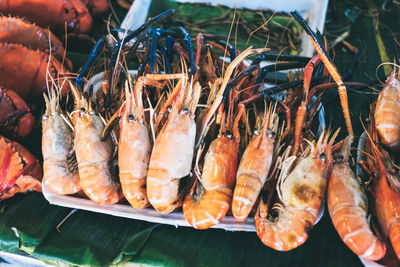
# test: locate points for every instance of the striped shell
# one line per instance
(387, 112)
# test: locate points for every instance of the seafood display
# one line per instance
(198, 129)
(187, 140)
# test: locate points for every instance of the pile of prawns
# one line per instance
(197, 138)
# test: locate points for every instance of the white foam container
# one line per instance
(175, 218)
(138, 11)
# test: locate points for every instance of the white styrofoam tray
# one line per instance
(135, 17)
(175, 218)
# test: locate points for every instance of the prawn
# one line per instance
(134, 146)
(210, 200)
(387, 112)
(301, 193)
(172, 154)
(347, 204)
(60, 171)
(253, 168)
(93, 155)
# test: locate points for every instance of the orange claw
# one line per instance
(338, 79)
(330, 67)
(302, 111)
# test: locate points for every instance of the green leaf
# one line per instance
(88, 238)
(170, 246)
(27, 221)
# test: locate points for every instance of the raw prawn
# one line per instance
(211, 196)
(387, 200)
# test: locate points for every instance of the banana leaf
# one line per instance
(26, 221)
(85, 238)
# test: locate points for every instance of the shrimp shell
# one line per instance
(388, 211)
(134, 151)
(252, 174)
(218, 179)
(93, 156)
(60, 172)
(347, 204)
(133, 160)
(301, 193)
(171, 160)
(387, 112)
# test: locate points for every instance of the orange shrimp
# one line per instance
(253, 169)
(387, 112)
(60, 172)
(301, 193)
(134, 147)
(92, 154)
(387, 200)
(347, 204)
(171, 157)
(209, 201)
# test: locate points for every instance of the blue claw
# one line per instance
(187, 42)
(170, 46)
(155, 35)
(89, 62)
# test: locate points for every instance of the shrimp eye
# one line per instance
(340, 158)
(229, 134)
(185, 111)
(130, 117)
(322, 156)
(169, 108)
(83, 109)
(272, 134)
(66, 10)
